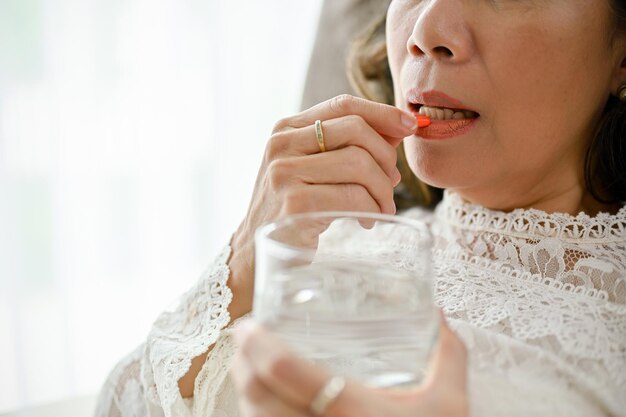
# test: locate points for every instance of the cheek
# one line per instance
(550, 90)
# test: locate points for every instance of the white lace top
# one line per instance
(539, 300)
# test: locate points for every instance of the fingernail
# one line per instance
(409, 121)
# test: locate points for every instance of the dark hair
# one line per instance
(605, 161)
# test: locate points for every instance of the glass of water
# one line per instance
(350, 291)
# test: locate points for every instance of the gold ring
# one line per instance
(320, 135)
(329, 393)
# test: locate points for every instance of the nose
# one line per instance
(441, 32)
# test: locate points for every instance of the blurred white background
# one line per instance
(130, 136)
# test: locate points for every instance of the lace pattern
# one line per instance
(539, 299)
(179, 336)
(532, 223)
(214, 390)
(550, 286)
(123, 393)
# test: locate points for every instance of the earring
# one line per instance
(621, 93)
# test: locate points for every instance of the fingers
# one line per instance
(357, 135)
(339, 133)
(255, 399)
(289, 378)
(276, 379)
(351, 165)
(325, 197)
(385, 119)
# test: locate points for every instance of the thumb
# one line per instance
(449, 364)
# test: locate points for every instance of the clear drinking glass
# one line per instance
(351, 291)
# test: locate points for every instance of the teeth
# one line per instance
(438, 113)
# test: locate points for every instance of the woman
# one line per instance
(530, 252)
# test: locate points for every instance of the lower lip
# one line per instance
(446, 129)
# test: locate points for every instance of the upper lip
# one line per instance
(435, 98)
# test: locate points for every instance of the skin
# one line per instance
(539, 74)
(537, 71)
(273, 382)
(357, 172)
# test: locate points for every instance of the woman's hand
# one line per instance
(358, 173)
(273, 382)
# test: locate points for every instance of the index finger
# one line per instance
(288, 376)
(385, 119)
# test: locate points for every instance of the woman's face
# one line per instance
(537, 75)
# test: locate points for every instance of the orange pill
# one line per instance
(423, 121)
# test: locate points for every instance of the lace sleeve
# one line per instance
(122, 394)
(146, 382)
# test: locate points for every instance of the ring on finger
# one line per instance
(319, 134)
(327, 395)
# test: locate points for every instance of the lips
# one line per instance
(435, 99)
(441, 129)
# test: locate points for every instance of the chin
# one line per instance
(439, 169)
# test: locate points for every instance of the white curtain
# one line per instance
(130, 136)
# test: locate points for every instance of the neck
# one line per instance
(572, 200)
